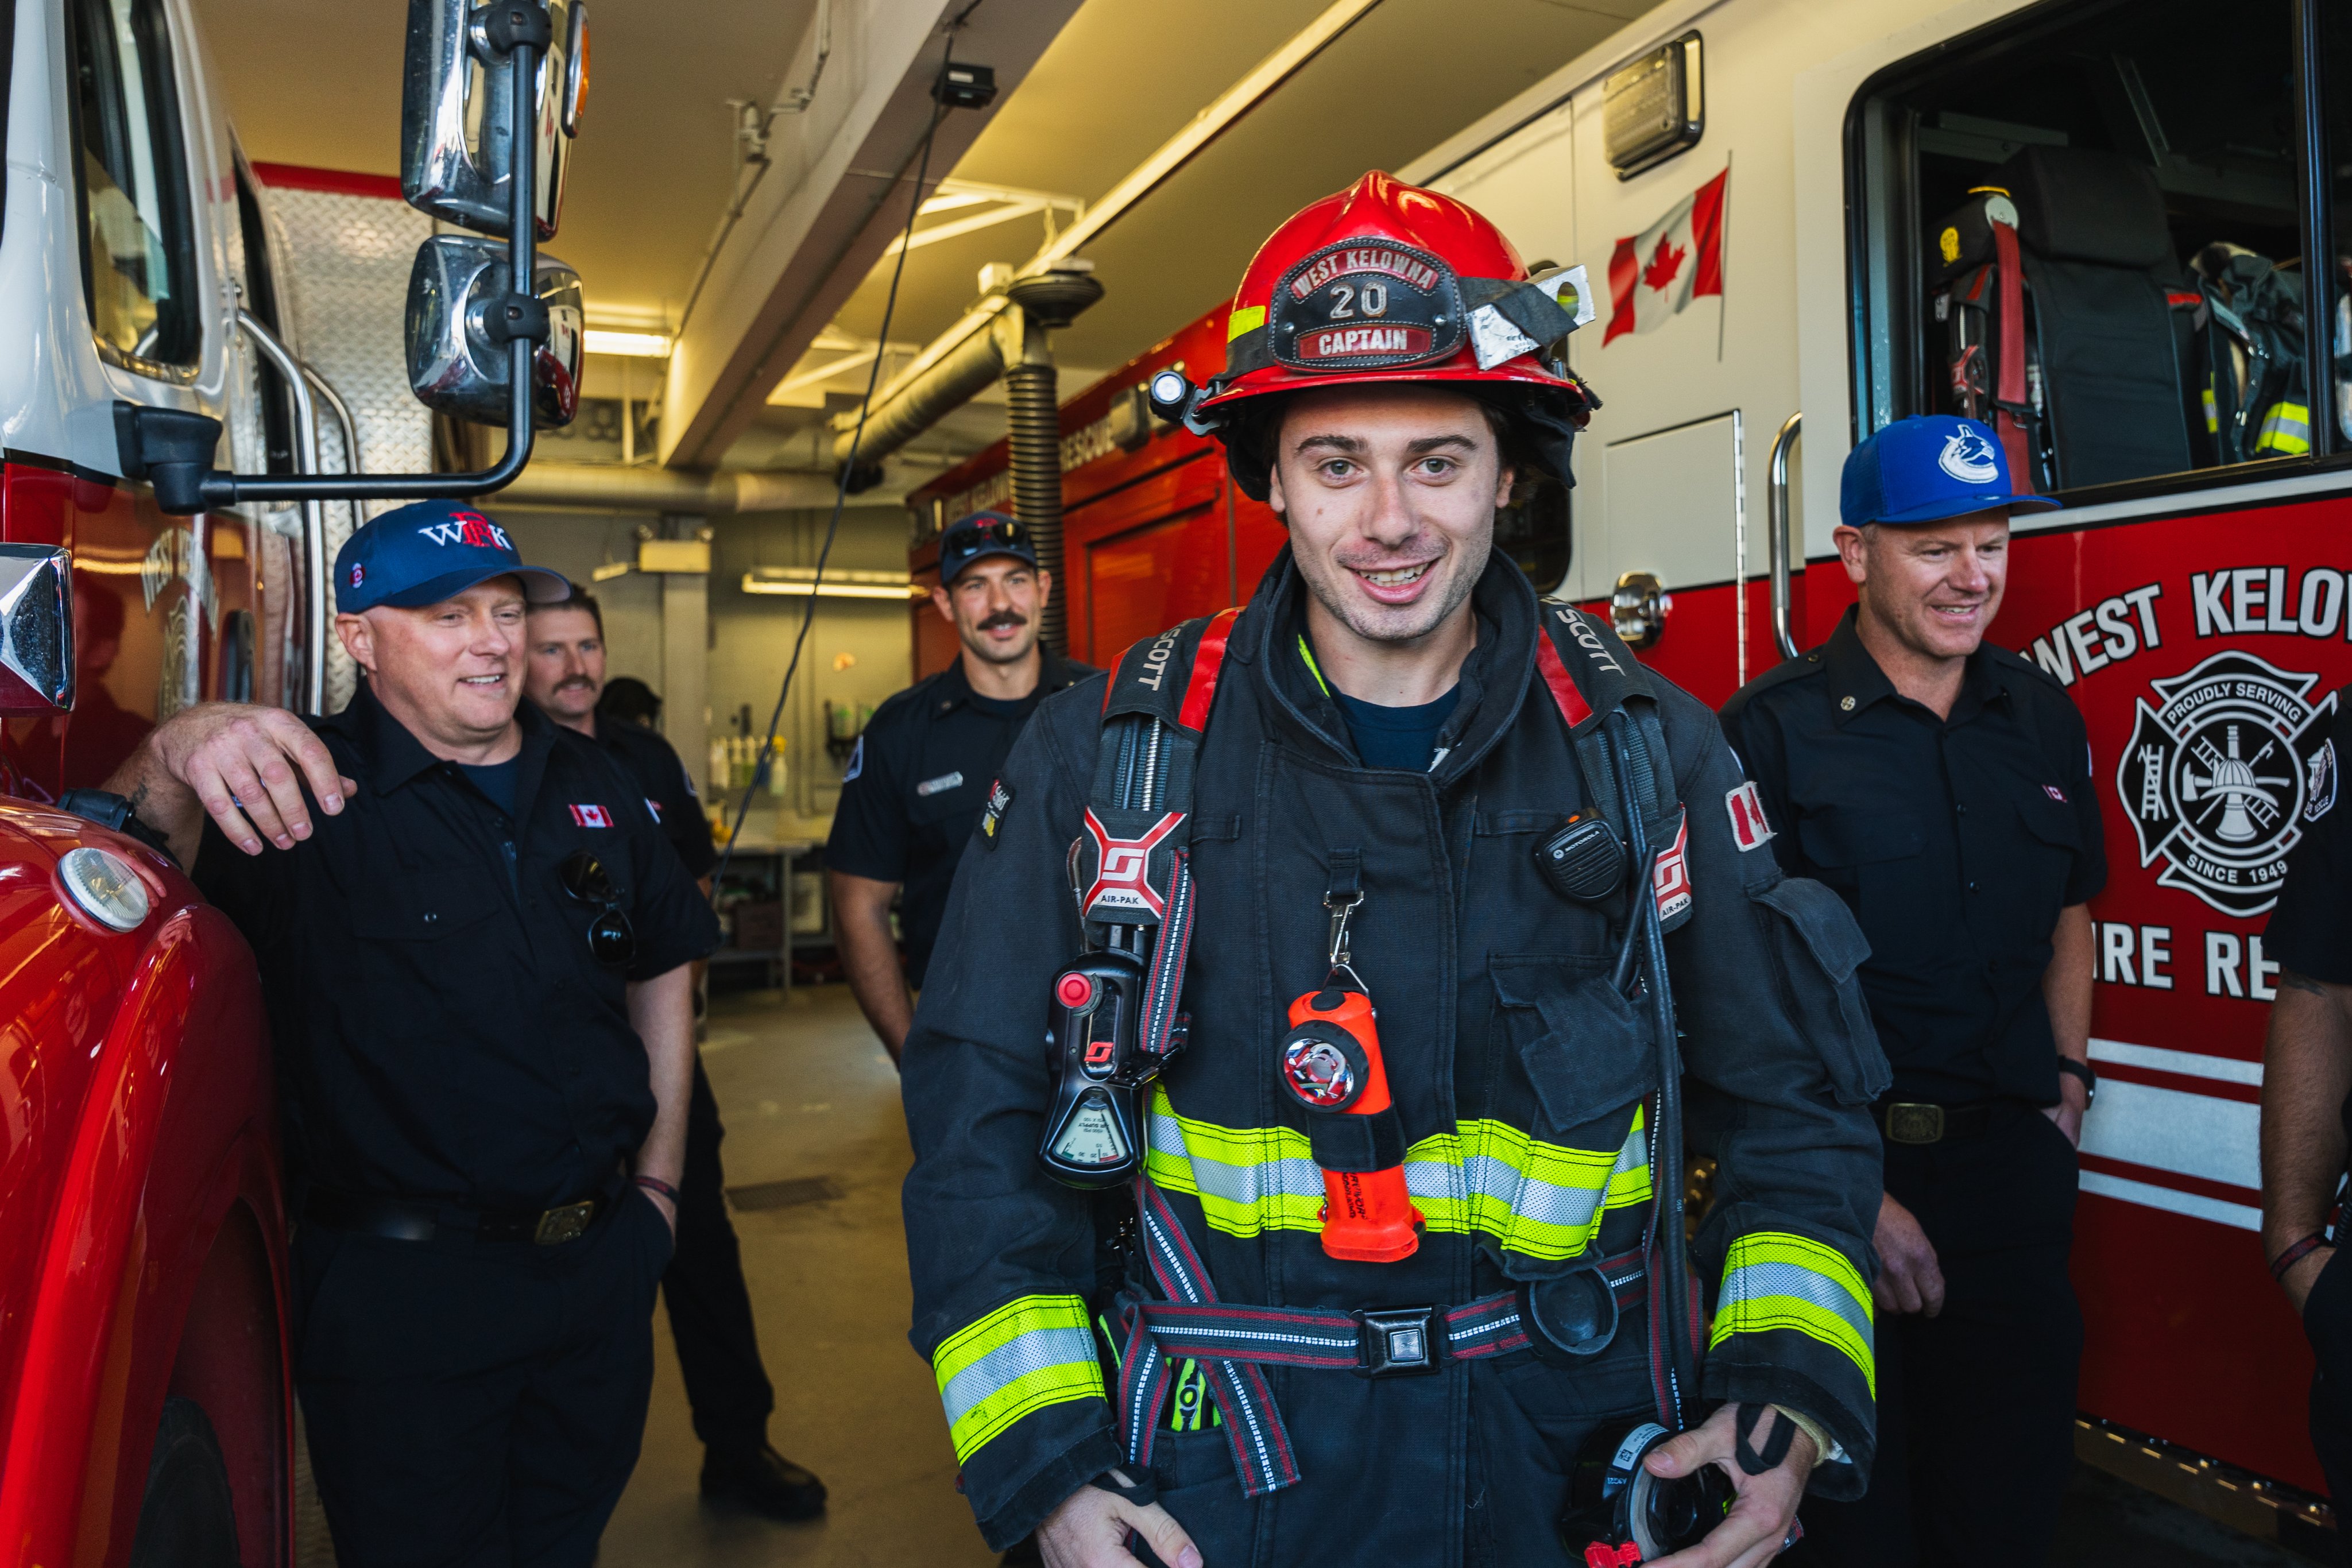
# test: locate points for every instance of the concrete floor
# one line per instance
(810, 1099)
(808, 1096)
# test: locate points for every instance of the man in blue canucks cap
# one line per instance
(1940, 785)
(476, 951)
(920, 781)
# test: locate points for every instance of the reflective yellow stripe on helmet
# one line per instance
(1030, 1352)
(1772, 1280)
(1544, 1201)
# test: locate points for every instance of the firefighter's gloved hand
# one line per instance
(1909, 1277)
(1758, 1528)
(1091, 1527)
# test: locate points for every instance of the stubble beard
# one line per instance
(1371, 623)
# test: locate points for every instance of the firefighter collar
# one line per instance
(1856, 682)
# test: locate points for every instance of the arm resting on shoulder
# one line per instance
(662, 1012)
(216, 757)
(2306, 1072)
(861, 916)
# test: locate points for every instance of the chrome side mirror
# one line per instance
(457, 363)
(456, 112)
(1638, 609)
(37, 657)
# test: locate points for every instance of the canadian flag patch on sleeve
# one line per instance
(591, 817)
(1747, 823)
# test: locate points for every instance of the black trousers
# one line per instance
(710, 1307)
(1985, 1389)
(475, 1405)
(2328, 1321)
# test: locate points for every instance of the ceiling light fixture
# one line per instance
(796, 581)
(629, 345)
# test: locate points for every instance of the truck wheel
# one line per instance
(188, 1518)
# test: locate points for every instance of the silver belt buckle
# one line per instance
(1909, 1123)
(568, 1223)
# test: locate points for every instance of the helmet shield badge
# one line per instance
(1360, 305)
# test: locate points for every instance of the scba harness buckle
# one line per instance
(1400, 1342)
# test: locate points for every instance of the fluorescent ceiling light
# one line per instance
(796, 583)
(633, 345)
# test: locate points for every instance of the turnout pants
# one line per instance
(1985, 1388)
(710, 1308)
(477, 1404)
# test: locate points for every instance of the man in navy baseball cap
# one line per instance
(968, 540)
(1940, 785)
(427, 551)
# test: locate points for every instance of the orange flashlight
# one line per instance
(1331, 1063)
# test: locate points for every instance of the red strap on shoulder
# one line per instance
(1571, 703)
(1201, 688)
(2009, 393)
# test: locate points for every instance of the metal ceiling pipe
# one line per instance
(1035, 434)
(947, 386)
(590, 486)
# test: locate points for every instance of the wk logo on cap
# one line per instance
(468, 529)
(1968, 457)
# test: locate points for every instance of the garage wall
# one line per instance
(751, 640)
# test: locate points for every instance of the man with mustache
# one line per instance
(1941, 786)
(1418, 1287)
(918, 781)
(710, 1307)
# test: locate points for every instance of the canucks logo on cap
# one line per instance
(1968, 457)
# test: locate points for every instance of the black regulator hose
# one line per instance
(1646, 932)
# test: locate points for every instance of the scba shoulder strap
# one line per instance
(1590, 675)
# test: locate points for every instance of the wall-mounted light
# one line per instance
(797, 581)
(628, 345)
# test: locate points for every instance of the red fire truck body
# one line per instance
(2197, 613)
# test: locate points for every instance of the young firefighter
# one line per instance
(1359, 774)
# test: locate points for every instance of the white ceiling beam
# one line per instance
(834, 196)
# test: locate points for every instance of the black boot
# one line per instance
(763, 1480)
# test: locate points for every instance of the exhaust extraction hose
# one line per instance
(1035, 440)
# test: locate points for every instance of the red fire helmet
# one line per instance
(1389, 282)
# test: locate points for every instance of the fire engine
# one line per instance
(171, 305)
(2107, 230)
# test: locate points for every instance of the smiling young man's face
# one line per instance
(1934, 587)
(1390, 495)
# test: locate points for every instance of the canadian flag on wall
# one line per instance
(1661, 270)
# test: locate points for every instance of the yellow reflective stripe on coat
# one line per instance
(1541, 1199)
(1772, 1280)
(1032, 1352)
(2286, 430)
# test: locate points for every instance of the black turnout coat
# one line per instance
(1526, 1116)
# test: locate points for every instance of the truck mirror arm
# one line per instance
(173, 448)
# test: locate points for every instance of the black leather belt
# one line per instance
(1915, 1122)
(397, 1219)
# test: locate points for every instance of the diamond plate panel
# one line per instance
(350, 257)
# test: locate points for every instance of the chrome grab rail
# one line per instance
(1776, 534)
(298, 380)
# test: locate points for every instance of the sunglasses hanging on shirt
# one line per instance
(611, 938)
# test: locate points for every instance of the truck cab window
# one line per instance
(138, 259)
(2088, 232)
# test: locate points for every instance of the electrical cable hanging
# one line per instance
(840, 499)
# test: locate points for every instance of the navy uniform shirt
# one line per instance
(2310, 931)
(443, 1032)
(915, 785)
(1955, 841)
(667, 786)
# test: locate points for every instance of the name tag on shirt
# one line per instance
(944, 781)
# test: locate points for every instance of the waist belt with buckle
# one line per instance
(1913, 1122)
(1233, 1341)
(398, 1219)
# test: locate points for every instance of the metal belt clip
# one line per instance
(567, 1223)
(1910, 1122)
(1400, 1342)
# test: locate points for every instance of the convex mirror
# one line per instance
(455, 366)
